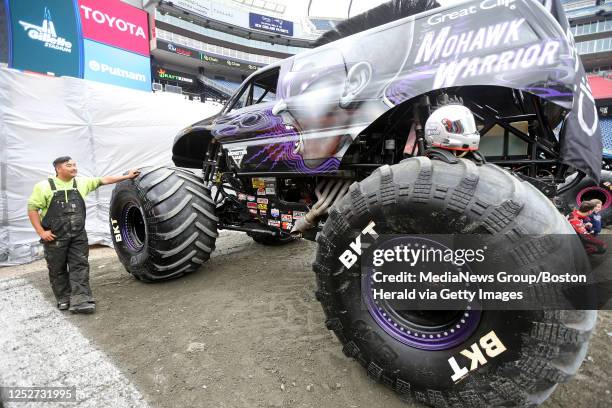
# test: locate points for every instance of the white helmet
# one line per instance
(452, 127)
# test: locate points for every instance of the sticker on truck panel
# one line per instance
(286, 225)
(286, 218)
(258, 183)
(262, 206)
(242, 197)
(261, 191)
(270, 185)
(298, 214)
(116, 230)
(262, 201)
(252, 205)
(275, 212)
(274, 223)
(251, 198)
(237, 154)
(489, 343)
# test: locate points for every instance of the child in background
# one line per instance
(595, 218)
(578, 220)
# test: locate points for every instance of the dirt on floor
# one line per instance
(246, 331)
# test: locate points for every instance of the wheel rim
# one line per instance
(133, 229)
(427, 330)
(593, 192)
(426, 337)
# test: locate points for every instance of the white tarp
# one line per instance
(105, 129)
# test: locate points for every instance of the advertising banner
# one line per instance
(200, 7)
(214, 11)
(205, 57)
(45, 37)
(176, 49)
(111, 65)
(115, 23)
(271, 24)
(4, 32)
(170, 75)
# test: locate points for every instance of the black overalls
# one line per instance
(67, 255)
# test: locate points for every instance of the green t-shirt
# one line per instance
(42, 193)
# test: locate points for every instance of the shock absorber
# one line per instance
(421, 113)
(211, 162)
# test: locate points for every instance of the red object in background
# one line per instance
(115, 23)
(600, 86)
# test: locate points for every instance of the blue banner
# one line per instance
(271, 24)
(4, 34)
(45, 36)
(111, 65)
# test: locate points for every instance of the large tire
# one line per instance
(543, 348)
(163, 223)
(588, 189)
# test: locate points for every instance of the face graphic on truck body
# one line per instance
(332, 93)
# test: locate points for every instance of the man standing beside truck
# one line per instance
(57, 210)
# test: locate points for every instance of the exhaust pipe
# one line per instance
(333, 190)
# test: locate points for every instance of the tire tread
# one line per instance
(181, 223)
(539, 368)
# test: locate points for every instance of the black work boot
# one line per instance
(85, 308)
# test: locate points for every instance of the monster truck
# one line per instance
(323, 143)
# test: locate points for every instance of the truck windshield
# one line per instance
(261, 88)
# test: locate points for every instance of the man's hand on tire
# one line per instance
(132, 174)
(47, 236)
